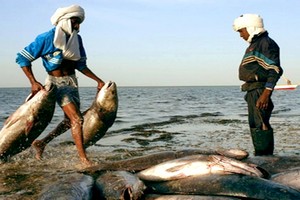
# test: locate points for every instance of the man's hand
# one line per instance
(263, 100)
(86, 71)
(35, 87)
(100, 85)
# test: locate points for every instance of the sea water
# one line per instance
(195, 113)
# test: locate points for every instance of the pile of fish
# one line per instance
(180, 175)
(31, 119)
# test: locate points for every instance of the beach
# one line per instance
(149, 120)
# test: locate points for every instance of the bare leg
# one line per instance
(39, 145)
(76, 120)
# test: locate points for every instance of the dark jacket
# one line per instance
(260, 66)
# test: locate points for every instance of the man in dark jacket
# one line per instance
(260, 70)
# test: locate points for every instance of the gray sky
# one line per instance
(153, 42)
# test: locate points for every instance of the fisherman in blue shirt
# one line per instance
(62, 52)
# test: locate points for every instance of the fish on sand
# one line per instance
(139, 163)
(119, 185)
(70, 186)
(289, 177)
(232, 185)
(198, 165)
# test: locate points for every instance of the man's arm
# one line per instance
(87, 72)
(272, 64)
(35, 85)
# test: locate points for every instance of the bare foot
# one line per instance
(39, 147)
(87, 163)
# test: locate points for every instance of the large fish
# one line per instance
(186, 197)
(290, 178)
(101, 115)
(120, 185)
(275, 164)
(27, 122)
(98, 118)
(136, 164)
(70, 187)
(234, 185)
(198, 165)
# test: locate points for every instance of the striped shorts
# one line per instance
(66, 89)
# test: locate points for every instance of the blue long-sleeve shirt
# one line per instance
(51, 56)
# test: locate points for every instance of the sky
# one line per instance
(153, 42)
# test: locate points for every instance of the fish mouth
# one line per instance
(110, 84)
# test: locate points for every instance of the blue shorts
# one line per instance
(66, 89)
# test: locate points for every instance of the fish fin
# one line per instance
(29, 97)
(8, 122)
(29, 126)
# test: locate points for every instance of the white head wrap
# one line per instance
(61, 19)
(252, 22)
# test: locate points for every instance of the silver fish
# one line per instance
(27, 122)
(98, 118)
(140, 163)
(186, 197)
(119, 185)
(238, 154)
(71, 187)
(197, 165)
(101, 115)
(232, 185)
(132, 164)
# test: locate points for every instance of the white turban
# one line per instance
(61, 19)
(67, 13)
(252, 22)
